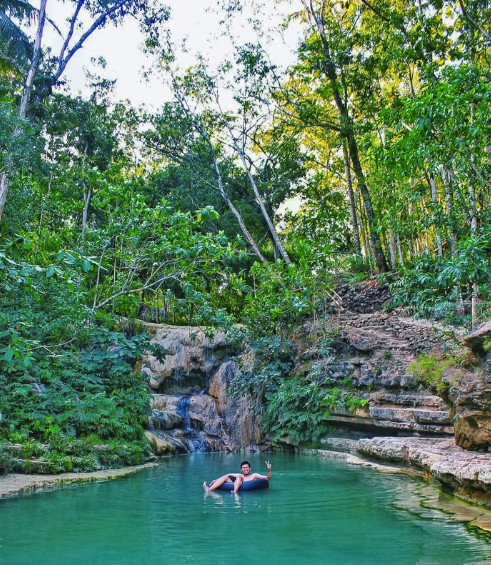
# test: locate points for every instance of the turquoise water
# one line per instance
(316, 512)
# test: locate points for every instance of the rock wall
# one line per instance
(374, 350)
(465, 473)
(471, 396)
(360, 346)
(190, 408)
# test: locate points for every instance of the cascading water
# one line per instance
(193, 439)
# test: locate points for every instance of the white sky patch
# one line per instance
(196, 20)
(292, 205)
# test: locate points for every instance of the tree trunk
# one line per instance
(399, 251)
(236, 213)
(392, 248)
(367, 201)
(26, 93)
(351, 197)
(87, 193)
(434, 201)
(4, 187)
(347, 132)
(87, 196)
(260, 201)
(447, 181)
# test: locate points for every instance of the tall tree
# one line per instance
(76, 35)
(319, 18)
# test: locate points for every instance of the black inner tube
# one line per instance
(255, 484)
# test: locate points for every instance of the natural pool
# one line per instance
(316, 512)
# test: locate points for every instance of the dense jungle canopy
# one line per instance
(378, 133)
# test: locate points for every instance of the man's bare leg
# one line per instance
(237, 484)
(216, 484)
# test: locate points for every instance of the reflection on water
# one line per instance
(316, 512)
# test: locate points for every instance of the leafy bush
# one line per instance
(299, 409)
(439, 288)
(429, 369)
(64, 377)
(272, 360)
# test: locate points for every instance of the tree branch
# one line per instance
(466, 15)
(99, 22)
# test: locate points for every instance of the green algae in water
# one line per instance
(316, 512)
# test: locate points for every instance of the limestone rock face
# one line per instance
(188, 355)
(164, 414)
(160, 444)
(194, 410)
(241, 420)
(372, 350)
(475, 340)
(472, 396)
(467, 473)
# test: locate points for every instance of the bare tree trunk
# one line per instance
(447, 181)
(257, 195)
(87, 196)
(351, 197)
(87, 193)
(392, 248)
(26, 93)
(236, 213)
(260, 201)
(434, 201)
(399, 251)
(366, 238)
(4, 188)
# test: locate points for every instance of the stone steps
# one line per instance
(394, 426)
(420, 415)
(408, 399)
(424, 419)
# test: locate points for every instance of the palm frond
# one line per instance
(15, 47)
(20, 9)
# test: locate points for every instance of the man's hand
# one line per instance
(268, 465)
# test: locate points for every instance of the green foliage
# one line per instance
(437, 287)
(63, 377)
(272, 360)
(299, 409)
(283, 295)
(429, 369)
(87, 390)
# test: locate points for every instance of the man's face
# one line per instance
(245, 469)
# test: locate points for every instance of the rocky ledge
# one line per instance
(14, 484)
(466, 474)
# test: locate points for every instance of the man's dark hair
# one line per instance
(245, 463)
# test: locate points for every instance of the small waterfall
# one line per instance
(193, 439)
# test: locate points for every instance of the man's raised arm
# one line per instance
(268, 476)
